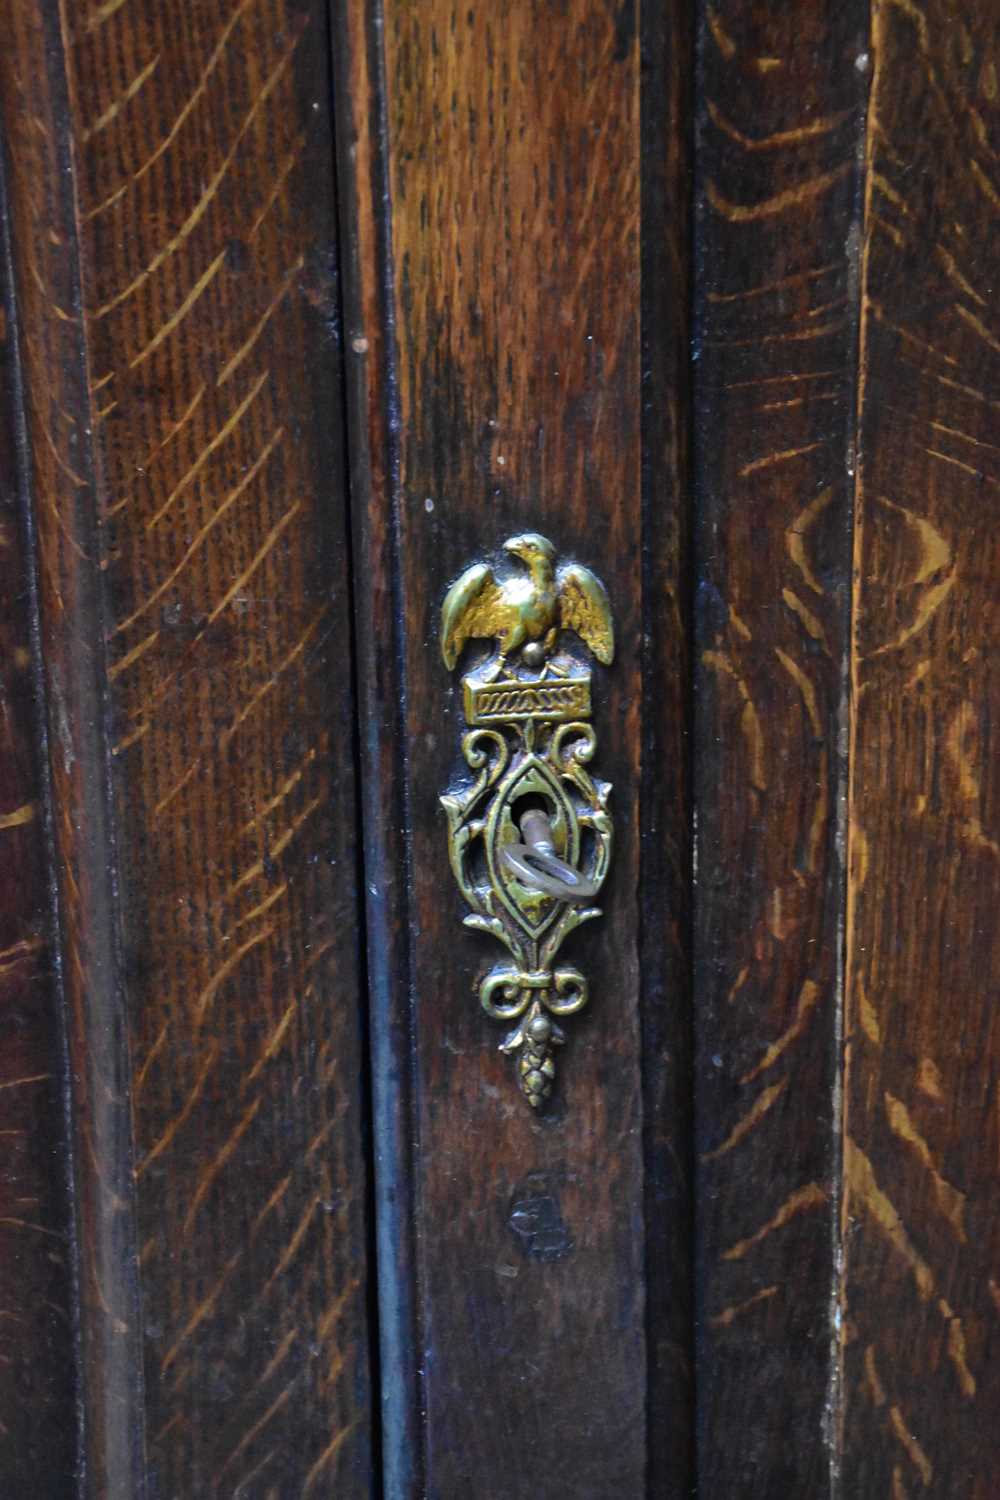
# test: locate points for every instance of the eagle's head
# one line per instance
(530, 548)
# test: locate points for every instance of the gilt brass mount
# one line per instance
(530, 836)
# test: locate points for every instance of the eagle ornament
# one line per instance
(529, 838)
(526, 611)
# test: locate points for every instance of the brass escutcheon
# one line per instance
(530, 837)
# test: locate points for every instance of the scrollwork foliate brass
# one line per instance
(530, 836)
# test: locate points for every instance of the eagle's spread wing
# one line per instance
(473, 608)
(584, 607)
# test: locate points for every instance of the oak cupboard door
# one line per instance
(309, 1187)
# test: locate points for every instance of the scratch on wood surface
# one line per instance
(326, 1458)
(781, 284)
(957, 1351)
(930, 1080)
(192, 99)
(754, 1115)
(801, 1201)
(173, 429)
(19, 816)
(292, 1248)
(749, 719)
(19, 951)
(293, 654)
(232, 421)
(279, 182)
(867, 1014)
(139, 1078)
(103, 13)
(258, 1427)
(811, 624)
(737, 1309)
(279, 796)
(966, 437)
(261, 907)
(180, 312)
(211, 989)
(277, 1358)
(770, 459)
(200, 535)
(262, 322)
(277, 1035)
(164, 1140)
(792, 197)
(242, 1491)
(881, 317)
(950, 1201)
(119, 104)
(984, 184)
(952, 270)
(12, 1223)
(805, 686)
(210, 190)
(200, 1313)
(962, 746)
(808, 996)
(18, 1083)
(271, 1204)
(779, 138)
(875, 1388)
(796, 534)
(276, 849)
(859, 1177)
(720, 35)
(217, 1165)
(914, 1452)
(124, 662)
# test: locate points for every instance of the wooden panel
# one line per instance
(781, 94)
(37, 1393)
(921, 1221)
(176, 264)
(504, 145)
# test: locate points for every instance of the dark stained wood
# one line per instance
(505, 393)
(371, 404)
(780, 101)
(666, 98)
(37, 1389)
(310, 310)
(61, 484)
(176, 266)
(921, 1299)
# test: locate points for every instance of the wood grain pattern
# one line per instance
(921, 1227)
(511, 143)
(780, 103)
(177, 268)
(37, 1385)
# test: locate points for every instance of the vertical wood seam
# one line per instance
(858, 311)
(41, 716)
(847, 947)
(367, 275)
